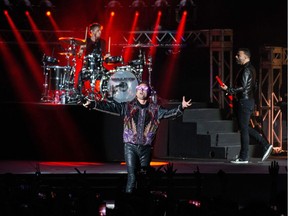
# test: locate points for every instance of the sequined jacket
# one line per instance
(140, 121)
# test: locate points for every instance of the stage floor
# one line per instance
(216, 180)
(183, 166)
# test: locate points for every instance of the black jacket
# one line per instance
(245, 83)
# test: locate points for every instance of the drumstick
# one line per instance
(86, 33)
(109, 43)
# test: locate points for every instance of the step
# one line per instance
(213, 127)
(224, 139)
(195, 105)
(203, 114)
(193, 147)
(224, 152)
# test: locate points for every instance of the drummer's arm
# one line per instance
(106, 56)
(81, 50)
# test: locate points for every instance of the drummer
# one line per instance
(96, 46)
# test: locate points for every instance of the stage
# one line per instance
(183, 166)
(218, 178)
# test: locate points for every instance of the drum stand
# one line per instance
(139, 68)
(69, 93)
(94, 75)
(45, 95)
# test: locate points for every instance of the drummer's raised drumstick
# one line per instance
(86, 33)
(109, 43)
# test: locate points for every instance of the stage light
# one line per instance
(138, 4)
(7, 5)
(113, 4)
(46, 5)
(24, 6)
(27, 3)
(189, 7)
(186, 5)
(161, 4)
(113, 7)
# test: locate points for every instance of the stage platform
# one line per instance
(192, 178)
(183, 166)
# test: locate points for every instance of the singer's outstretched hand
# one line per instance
(185, 103)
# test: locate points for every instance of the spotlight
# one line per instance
(161, 4)
(27, 3)
(186, 5)
(24, 5)
(190, 7)
(138, 4)
(46, 5)
(113, 4)
(7, 5)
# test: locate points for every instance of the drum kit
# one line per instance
(119, 83)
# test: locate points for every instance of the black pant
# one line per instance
(244, 110)
(136, 157)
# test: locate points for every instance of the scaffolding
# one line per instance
(221, 62)
(270, 83)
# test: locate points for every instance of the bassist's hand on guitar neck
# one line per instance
(224, 87)
(221, 84)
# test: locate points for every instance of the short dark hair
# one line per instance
(92, 26)
(246, 51)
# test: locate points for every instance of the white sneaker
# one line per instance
(267, 153)
(239, 161)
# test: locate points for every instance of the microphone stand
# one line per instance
(45, 96)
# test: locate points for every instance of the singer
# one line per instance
(141, 120)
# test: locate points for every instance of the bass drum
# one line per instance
(122, 84)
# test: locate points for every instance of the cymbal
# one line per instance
(139, 45)
(72, 40)
(65, 53)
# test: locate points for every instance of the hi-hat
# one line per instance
(72, 40)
